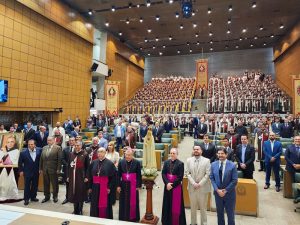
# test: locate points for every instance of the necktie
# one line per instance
(221, 173)
(206, 146)
(48, 151)
(42, 135)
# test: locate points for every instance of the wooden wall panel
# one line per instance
(47, 66)
(127, 66)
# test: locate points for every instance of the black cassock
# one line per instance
(125, 167)
(175, 168)
(97, 169)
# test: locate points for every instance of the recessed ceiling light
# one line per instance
(272, 36)
(170, 38)
(261, 27)
(230, 8)
(188, 43)
(209, 10)
(241, 39)
(253, 5)
(178, 51)
(120, 33)
(255, 37)
(210, 34)
(164, 46)
(228, 31)
(141, 19)
(90, 12)
(129, 5)
(156, 39)
(209, 23)
(229, 21)
(107, 24)
(181, 26)
(211, 42)
(171, 1)
(153, 46)
(198, 43)
(149, 30)
(191, 50)
(281, 26)
(236, 46)
(194, 25)
(251, 45)
(244, 30)
(146, 40)
(113, 8)
(127, 21)
(226, 46)
(149, 54)
(160, 53)
(141, 48)
(148, 3)
(138, 5)
(211, 49)
(193, 13)
(265, 44)
(157, 18)
(177, 15)
(196, 35)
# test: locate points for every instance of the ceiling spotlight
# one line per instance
(281, 26)
(230, 8)
(193, 13)
(181, 26)
(138, 5)
(194, 25)
(170, 38)
(209, 10)
(265, 44)
(120, 33)
(253, 5)
(236, 46)
(171, 1)
(90, 12)
(127, 21)
(177, 15)
(198, 43)
(255, 37)
(272, 36)
(156, 39)
(251, 45)
(160, 53)
(107, 24)
(153, 47)
(141, 48)
(228, 31)
(229, 21)
(210, 34)
(129, 5)
(191, 50)
(164, 46)
(178, 51)
(146, 40)
(244, 30)
(149, 30)
(149, 54)
(211, 42)
(157, 18)
(241, 39)
(141, 19)
(261, 27)
(196, 35)
(209, 23)
(188, 43)
(148, 3)
(187, 8)
(113, 8)
(226, 46)
(211, 49)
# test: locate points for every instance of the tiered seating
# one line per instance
(163, 95)
(253, 92)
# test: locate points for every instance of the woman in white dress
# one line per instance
(111, 154)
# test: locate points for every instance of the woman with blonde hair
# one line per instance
(111, 154)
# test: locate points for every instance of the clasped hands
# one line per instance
(196, 185)
(169, 186)
(221, 192)
(243, 165)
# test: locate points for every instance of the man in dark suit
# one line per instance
(29, 161)
(28, 133)
(201, 129)
(224, 178)
(287, 130)
(208, 149)
(245, 155)
(168, 125)
(68, 127)
(196, 121)
(240, 130)
(41, 136)
(65, 163)
(75, 132)
(50, 165)
(230, 152)
(272, 150)
(292, 157)
(157, 132)
(277, 126)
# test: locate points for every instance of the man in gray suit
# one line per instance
(50, 165)
(198, 171)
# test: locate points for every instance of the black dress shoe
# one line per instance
(277, 189)
(45, 200)
(65, 201)
(55, 200)
(26, 202)
(34, 199)
(266, 186)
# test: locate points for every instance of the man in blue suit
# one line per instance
(277, 126)
(272, 150)
(119, 133)
(224, 178)
(292, 157)
(29, 162)
(41, 136)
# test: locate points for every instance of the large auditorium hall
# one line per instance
(168, 112)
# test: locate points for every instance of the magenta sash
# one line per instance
(176, 200)
(102, 204)
(131, 177)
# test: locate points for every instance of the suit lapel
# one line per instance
(28, 155)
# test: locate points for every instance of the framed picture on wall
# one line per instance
(11, 145)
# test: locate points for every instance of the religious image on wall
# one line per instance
(11, 145)
(202, 73)
(297, 96)
(112, 97)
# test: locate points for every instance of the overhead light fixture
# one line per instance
(228, 31)
(211, 42)
(90, 12)
(177, 15)
(113, 8)
(272, 36)
(138, 5)
(236, 46)
(156, 39)
(253, 5)
(281, 26)
(230, 8)
(170, 38)
(191, 50)
(265, 44)
(120, 33)
(153, 46)
(210, 34)
(181, 26)
(194, 25)
(160, 53)
(157, 18)
(187, 8)
(148, 3)
(244, 30)
(209, 23)
(209, 10)
(251, 45)
(229, 21)
(241, 39)
(255, 37)
(178, 51)
(196, 35)
(198, 43)
(129, 5)
(193, 13)
(107, 24)
(164, 46)
(188, 43)
(171, 1)
(127, 21)
(141, 48)
(226, 46)
(261, 27)
(141, 19)
(149, 54)
(211, 49)
(149, 30)
(146, 40)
